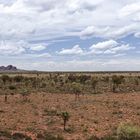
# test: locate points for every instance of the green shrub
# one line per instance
(51, 112)
(20, 136)
(5, 134)
(49, 136)
(5, 78)
(11, 87)
(65, 116)
(93, 138)
(117, 80)
(127, 131)
(18, 78)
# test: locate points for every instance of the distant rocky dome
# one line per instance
(8, 68)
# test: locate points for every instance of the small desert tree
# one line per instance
(65, 116)
(12, 89)
(117, 80)
(94, 82)
(5, 79)
(127, 131)
(25, 93)
(5, 97)
(76, 89)
(18, 78)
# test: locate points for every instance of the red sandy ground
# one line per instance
(91, 115)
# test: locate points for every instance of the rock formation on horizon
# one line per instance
(8, 68)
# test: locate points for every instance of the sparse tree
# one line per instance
(65, 116)
(76, 89)
(18, 78)
(117, 80)
(5, 97)
(94, 82)
(25, 93)
(5, 79)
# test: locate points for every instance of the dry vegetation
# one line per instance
(70, 106)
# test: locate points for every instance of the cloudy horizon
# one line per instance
(70, 35)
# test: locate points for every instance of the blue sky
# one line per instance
(70, 35)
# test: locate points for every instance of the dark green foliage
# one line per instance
(105, 79)
(104, 138)
(127, 131)
(93, 138)
(65, 116)
(75, 88)
(5, 98)
(25, 93)
(5, 134)
(11, 87)
(20, 136)
(5, 78)
(18, 78)
(94, 82)
(117, 80)
(50, 112)
(76, 83)
(84, 78)
(51, 137)
(72, 78)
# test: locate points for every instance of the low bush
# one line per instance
(127, 131)
(20, 136)
(49, 136)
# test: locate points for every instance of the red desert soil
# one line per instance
(91, 115)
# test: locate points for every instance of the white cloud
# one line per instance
(92, 31)
(76, 50)
(104, 45)
(38, 48)
(109, 47)
(129, 9)
(119, 54)
(112, 64)
(117, 49)
(137, 35)
(109, 32)
(9, 48)
(21, 49)
(45, 18)
(28, 25)
(42, 55)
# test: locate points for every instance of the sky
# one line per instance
(70, 35)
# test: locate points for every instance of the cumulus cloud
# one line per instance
(76, 50)
(109, 32)
(137, 34)
(109, 47)
(27, 26)
(129, 9)
(9, 48)
(21, 48)
(104, 45)
(38, 48)
(92, 31)
(35, 16)
(122, 48)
